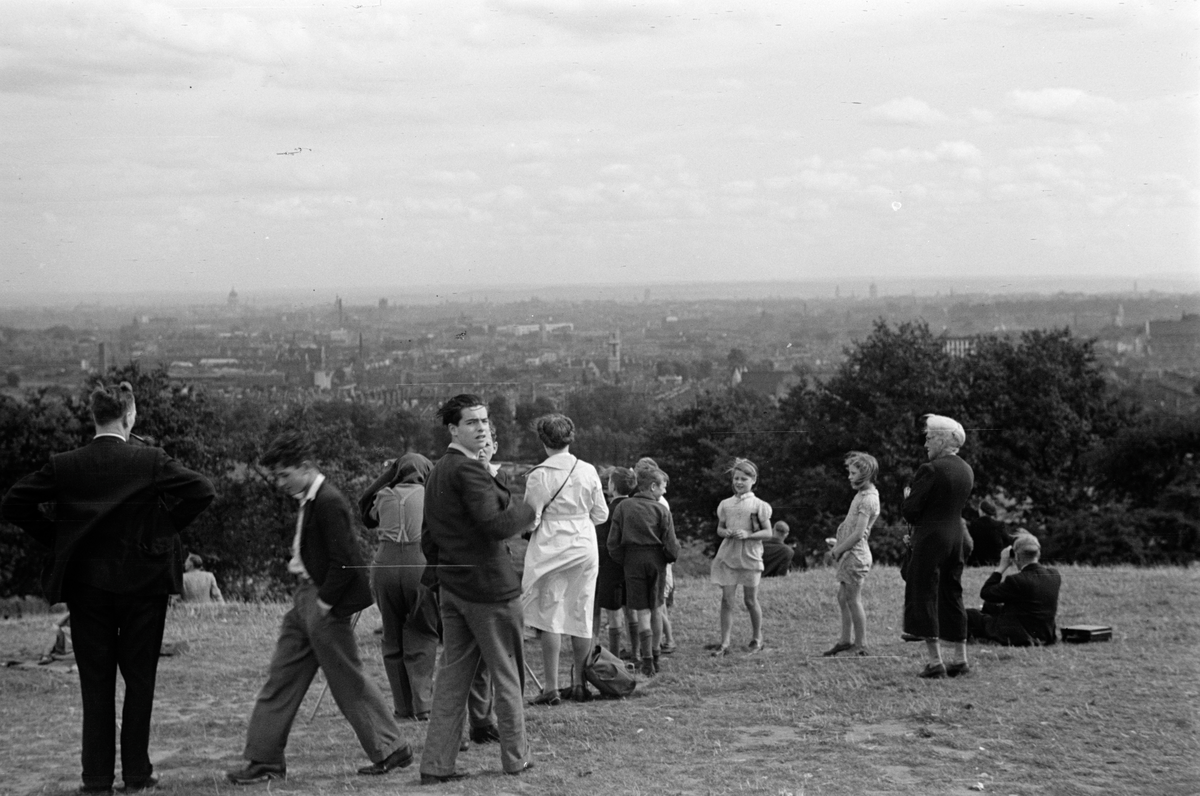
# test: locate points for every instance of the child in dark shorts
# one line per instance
(641, 537)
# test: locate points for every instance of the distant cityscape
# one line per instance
(668, 349)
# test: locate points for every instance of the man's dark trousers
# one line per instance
(310, 639)
(110, 632)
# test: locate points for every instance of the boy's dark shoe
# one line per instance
(256, 772)
(398, 759)
(437, 779)
(648, 667)
(528, 765)
(486, 734)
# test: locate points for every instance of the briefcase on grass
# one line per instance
(1081, 634)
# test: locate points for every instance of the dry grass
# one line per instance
(1106, 718)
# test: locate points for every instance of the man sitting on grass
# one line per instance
(777, 554)
(1020, 599)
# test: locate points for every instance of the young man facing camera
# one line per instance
(469, 516)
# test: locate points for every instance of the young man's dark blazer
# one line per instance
(468, 516)
(119, 505)
(331, 555)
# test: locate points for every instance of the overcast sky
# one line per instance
(203, 146)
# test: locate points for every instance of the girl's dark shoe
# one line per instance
(721, 651)
(580, 693)
(755, 645)
(841, 646)
(648, 667)
(957, 669)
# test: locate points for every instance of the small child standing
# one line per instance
(852, 553)
(743, 522)
(641, 537)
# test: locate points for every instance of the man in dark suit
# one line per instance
(469, 516)
(117, 511)
(317, 632)
(1023, 597)
(990, 534)
(933, 504)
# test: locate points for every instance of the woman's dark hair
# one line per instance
(624, 481)
(555, 431)
(111, 402)
(289, 449)
(450, 413)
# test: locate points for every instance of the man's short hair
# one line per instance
(555, 430)
(450, 413)
(1026, 546)
(649, 476)
(781, 529)
(644, 463)
(623, 480)
(111, 402)
(289, 449)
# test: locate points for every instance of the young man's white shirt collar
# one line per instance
(296, 565)
(110, 434)
(460, 448)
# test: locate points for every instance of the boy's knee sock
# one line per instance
(614, 640)
(633, 640)
(646, 643)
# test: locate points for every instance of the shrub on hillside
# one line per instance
(1119, 535)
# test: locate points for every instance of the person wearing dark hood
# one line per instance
(395, 504)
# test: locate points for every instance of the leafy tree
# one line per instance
(608, 407)
(528, 446)
(695, 444)
(1036, 409)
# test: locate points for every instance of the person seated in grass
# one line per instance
(199, 586)
(853, 554)
(777, 554)
(1020, 598)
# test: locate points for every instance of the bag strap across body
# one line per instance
(560, 486)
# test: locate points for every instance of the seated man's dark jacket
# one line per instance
(117, 510)
(331, 555)
(469, 515)
(777, 558)
(1030, 599)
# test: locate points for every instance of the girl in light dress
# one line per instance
(743, 522)
(852, 553)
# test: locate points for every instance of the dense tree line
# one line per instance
(1048, 438)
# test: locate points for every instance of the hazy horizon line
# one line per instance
(505, 293)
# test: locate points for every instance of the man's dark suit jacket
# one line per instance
(330, 552)
(1030, 599)
(777, 558)
(468, 517)
(117, 510)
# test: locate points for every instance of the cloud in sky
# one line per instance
(177, 144)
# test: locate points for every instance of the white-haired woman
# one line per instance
(562, 561)
(933, 505)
